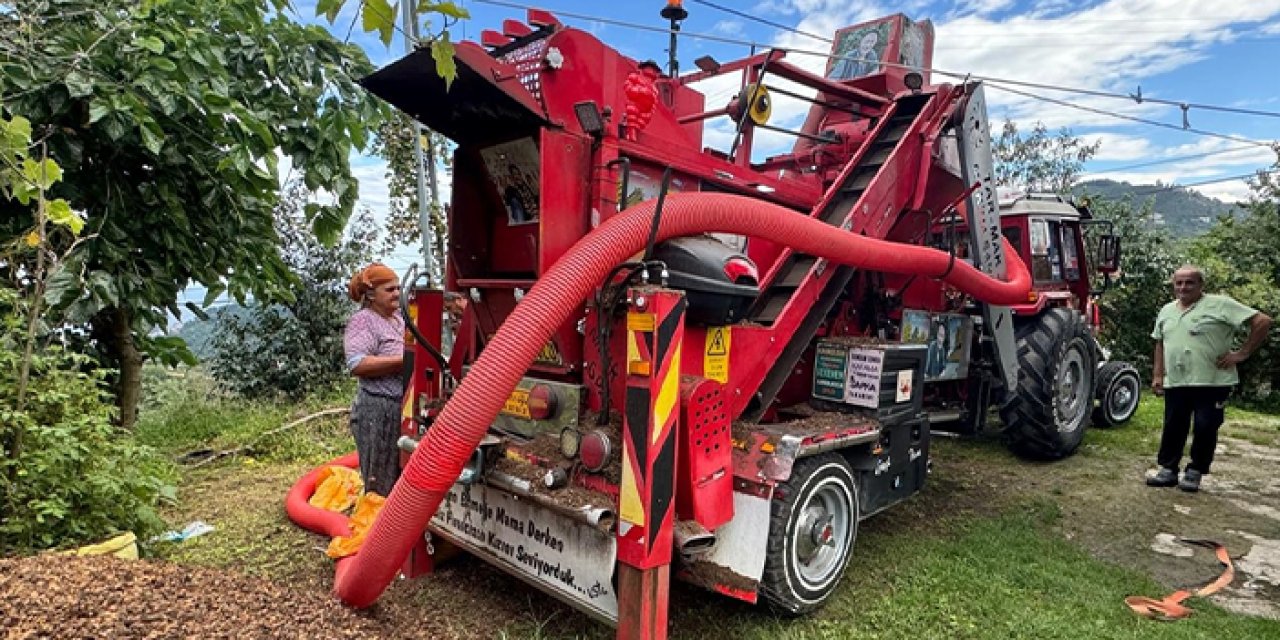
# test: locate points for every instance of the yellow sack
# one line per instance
(367, 509)
(336, 489)
(124, 546)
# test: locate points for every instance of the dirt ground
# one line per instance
(257, 575)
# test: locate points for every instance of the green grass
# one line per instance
(982, 553)
(1141, 435)
(184, 411)
(1005, 577)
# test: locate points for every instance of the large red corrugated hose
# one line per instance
(465, 419)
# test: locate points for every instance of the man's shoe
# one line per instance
(1166, 477)
(1190, 481)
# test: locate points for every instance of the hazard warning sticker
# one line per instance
(715, 359)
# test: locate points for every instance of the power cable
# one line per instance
(1121, 116)
(1172, 187)
(1193, 156)
(776, 25)
(1007, 81)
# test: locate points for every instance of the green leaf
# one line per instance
(78, 85)
(164, 64)
(43, 173)
(63, 286)
(447, 8)
(152, 136)
(153, 44)
(212, 293)
(329, 9)
(17, 132)
(59, 212)
(98, 109)
(442, 53)
(380, 16)
(217, 102)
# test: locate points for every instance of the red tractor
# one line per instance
(670, 357)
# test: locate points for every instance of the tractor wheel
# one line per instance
(812, 527)
(1118, 391)
(1046, 415)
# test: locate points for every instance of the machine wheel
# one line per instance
(1046, 415)
(1118, 390)
(812, 527)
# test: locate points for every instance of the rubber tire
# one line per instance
(1045, 344)
(782, 587)
(1111, 375)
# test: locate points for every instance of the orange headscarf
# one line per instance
(368, 279)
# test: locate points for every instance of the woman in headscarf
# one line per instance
(374, 347)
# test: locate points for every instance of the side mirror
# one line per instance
(1108, 261)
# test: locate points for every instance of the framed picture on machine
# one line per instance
(949, 337)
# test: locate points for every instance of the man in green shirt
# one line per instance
(1195, 370)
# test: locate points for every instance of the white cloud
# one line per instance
(1271, 29)
(732, 28)
(1234, 191)
(1119, 146)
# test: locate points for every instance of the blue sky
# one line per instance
(1196, 52)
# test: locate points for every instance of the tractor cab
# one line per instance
(1055, 237)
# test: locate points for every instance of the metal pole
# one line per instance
(424, 209)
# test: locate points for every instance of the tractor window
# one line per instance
(1070, 258)
(1014, 236)
(1046, 250)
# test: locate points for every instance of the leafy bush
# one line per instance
(1241, 258)
(71, 476)
(295, 347)
(1148, 259)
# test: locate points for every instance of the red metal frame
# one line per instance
(660, 388)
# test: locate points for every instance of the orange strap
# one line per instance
(1171, 607)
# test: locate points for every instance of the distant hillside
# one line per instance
(1183, 211)
(199, 333)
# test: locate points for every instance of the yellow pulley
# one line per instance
(759, 103)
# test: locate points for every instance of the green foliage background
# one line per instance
(294, 347)
(76, 479)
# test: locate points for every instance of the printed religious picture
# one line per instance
(513, 168)
(859, 51)
(948, 337)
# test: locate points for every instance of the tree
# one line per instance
(394, 143)
(169, 119)
(1132, 301)
(1040, 161)
(63, 477)
(295, 346)
(1241, 258)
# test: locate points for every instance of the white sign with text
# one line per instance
(862, 377)
(569, 559)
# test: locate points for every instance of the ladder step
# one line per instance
(877, 156)
(795, 272)
(772, 308)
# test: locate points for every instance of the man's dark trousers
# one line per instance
(1181, 404)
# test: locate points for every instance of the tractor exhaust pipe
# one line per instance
(465, 419)
(692, 539)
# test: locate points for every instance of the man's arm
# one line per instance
(1259, 324)
(1157, 369)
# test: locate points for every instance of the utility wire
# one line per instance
(1193, 156)
(1121, 116)
(1201, 183)
(776, 25)
(952, 74)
